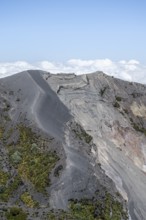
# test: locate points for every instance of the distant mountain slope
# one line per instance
(72, 146)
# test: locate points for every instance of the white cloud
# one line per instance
(130, 70)
(7, 69)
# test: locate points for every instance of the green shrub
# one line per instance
(139, 128)
(82, 134)
(28, 201)
(116, 105)
(102, 91)
(34, 147)
(16, 213)
(16, 157)
(118, 99)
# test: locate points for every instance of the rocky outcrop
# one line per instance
(113, 113)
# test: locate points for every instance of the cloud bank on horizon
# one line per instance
(131, 70)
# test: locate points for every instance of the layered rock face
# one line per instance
(92, 129)
(113, 112)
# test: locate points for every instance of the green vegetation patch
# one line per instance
(7, 191)
(139, 128)
(32, 163)
(3, 177)
(117, 100)
(61, 215)
(16, 213)
(28, 201)
(36, 168)
(85, 209)
(82, 135)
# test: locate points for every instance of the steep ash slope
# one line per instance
(32, 121)
(113, 112)
(38, 101)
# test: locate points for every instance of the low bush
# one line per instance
(16, 213)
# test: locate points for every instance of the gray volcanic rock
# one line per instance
(113, 112)
(97, 127)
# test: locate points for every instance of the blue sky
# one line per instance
(59, 30)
